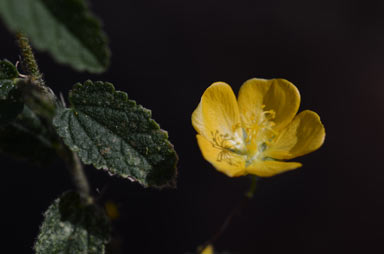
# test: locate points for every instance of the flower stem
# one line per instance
(252, 188)
(235, 211)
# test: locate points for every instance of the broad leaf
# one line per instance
(65, 28)
(72, 227)
(111, 132)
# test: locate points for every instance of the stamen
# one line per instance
(258, 133)
(227, 145)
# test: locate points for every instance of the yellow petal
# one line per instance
(303, 135)
(271, 168)
(217, 112)
(226, 162)
(258, 95)
(198, 120)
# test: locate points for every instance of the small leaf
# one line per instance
(72, 227)
(11, 103)
(64, 28)
(111, 132)
(7, 70)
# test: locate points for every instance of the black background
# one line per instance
(165, 54)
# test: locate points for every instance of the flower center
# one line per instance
(257, 135)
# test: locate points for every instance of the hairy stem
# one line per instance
(28, 60)
(76, 171)
(79, 178)
(235, 211)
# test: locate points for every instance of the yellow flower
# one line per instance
(257, 132)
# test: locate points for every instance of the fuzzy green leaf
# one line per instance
(72, 227)
(10, 98)
(7, 70)
(111, 132)
(65, 28)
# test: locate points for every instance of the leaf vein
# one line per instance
(91, 139)
(114, 134)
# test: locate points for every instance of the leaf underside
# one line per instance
(71, 227)
(111, 132)
(64, 28)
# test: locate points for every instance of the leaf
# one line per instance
(111, 132)
(11, 103)
(25, 129)
(64, 28)
(28, 137)
(7, 70)
(72, 227)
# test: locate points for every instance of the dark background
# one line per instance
(165, 54)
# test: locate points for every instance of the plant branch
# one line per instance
(76, 171)
(73, 163)
(78, 175)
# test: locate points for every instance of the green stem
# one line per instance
(78, 175)
(240, 206)
(252, 188)
(28, 59)
(76, 170)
